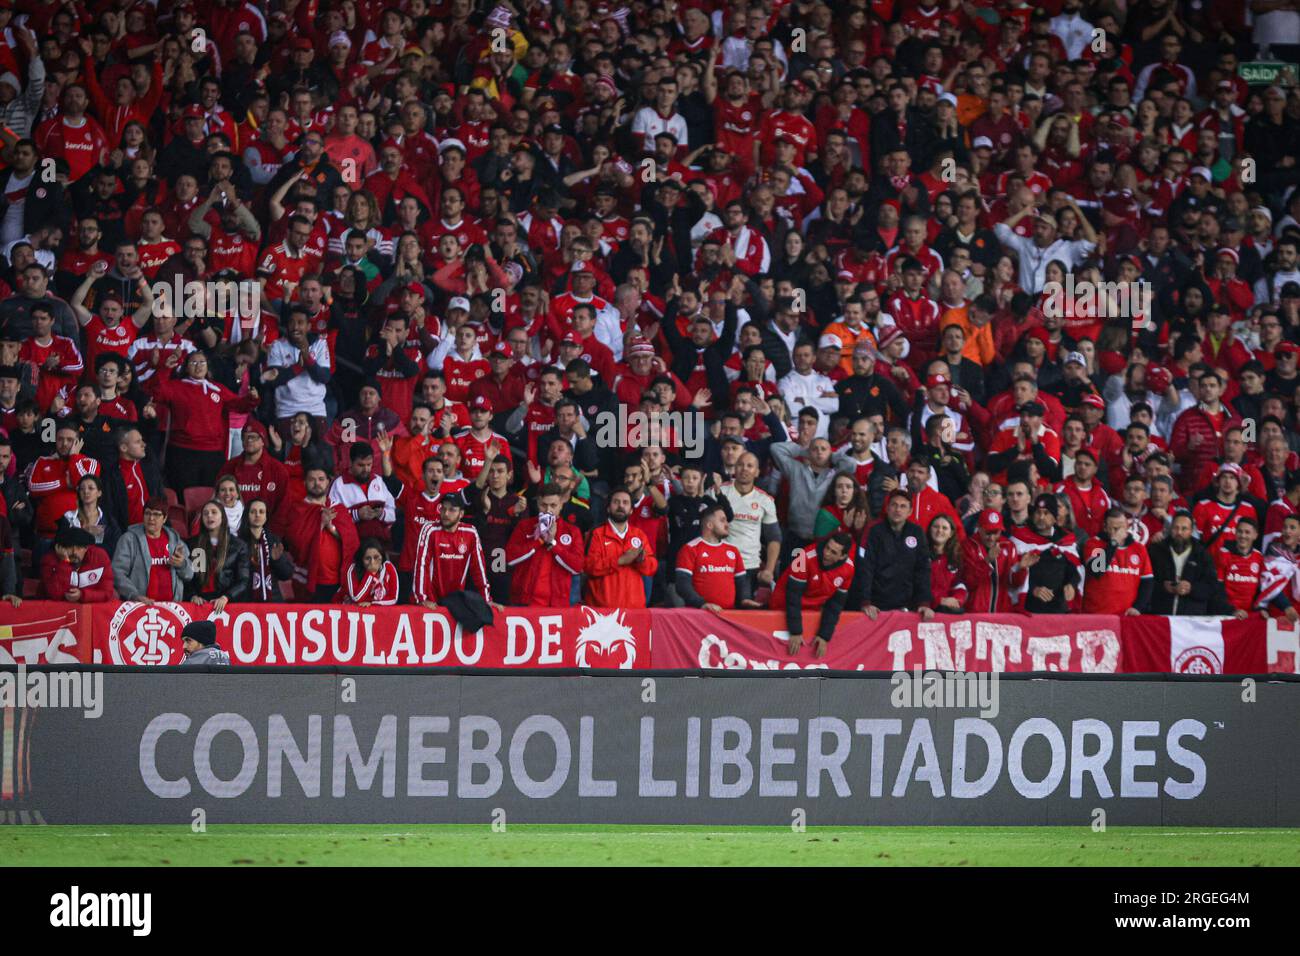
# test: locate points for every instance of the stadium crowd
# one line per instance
(874, 304)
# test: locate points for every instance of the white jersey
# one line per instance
(749, 514)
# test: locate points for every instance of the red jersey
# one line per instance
(267, 479)
(83, 147)
(448, 561)
(460, 374)
(713, 569)
(100, 339)
(154, 254)
(230, 250)
(161, 586)
(1115, 589)
(822, 584)
(472, 452)
(418, 510)
(1240, 575)
(1211, 515)
(542, 575)
(280, 265)
(792, 126)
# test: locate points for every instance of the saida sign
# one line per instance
(1268, 73)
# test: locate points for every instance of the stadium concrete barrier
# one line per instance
(261, 745)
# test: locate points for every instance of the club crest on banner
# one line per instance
(147, 634)
(1198, 660)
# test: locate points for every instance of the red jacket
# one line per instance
(94, 576)
(317, 553)
(1197, 423)
(53, 483)
(988, 582)
(610, 584)
(543, 576)
(199, 408)
(1089, 506)
(368, 588)
(448, 561)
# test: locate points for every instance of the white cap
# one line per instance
(340, 38)
(949, 98)
(1202, 171)
(829, 342)
(459, 302)
(982, 142)
(1077, 358)
(447, 144)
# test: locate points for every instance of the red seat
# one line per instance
(178, 520)
(196, 498)
(170, 495)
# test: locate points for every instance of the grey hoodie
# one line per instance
(206, 655)
(806, 489)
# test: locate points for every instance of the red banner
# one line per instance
(895, 641)
(1207, 645)
(280, 635)
(277, 635)
(44, 632)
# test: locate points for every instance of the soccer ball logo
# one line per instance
(605, 641)
(147, 634)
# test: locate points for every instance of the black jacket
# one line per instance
(115, 501)
(1207, 595)
(686, 356)
(892, 570)
(1053, 571)
(277, 570)
(231, 580)
(44, 204)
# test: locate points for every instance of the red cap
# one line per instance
(991, 520)
(302, 43)
(194, 111)
(501, 348)
(1290, 348)
(414, 288)
(580, 265)
(481, 402)
(1095, 400)
(571, 338)
(937, 379)
(1159, 378)
(1230, 468)
(1227, 253)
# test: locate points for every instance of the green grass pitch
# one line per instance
(541, 845)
